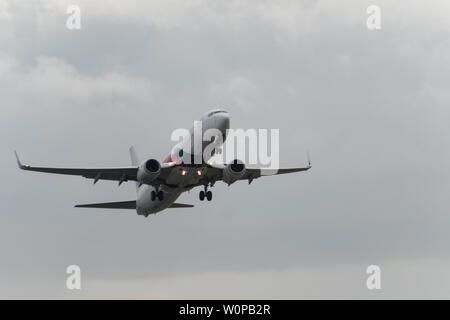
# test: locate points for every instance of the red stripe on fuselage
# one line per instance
(179, 163)
(168, 159)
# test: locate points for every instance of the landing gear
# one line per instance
(157, 194)
(206, 193)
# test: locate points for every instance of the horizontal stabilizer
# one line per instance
(125, 205)
(110, 205)
(181, 205)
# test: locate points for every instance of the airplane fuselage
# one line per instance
(187, 174)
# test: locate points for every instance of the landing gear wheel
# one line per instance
(160, 195)
(153, 195)
(209, 195)
(201, 195)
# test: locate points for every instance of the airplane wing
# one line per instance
(120, 174)
(216, 172)
(123, 174)
(253, 173)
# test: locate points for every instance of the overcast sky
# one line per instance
(372, 106)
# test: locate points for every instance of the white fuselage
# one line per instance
(186, 175)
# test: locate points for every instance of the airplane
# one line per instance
(159, 184)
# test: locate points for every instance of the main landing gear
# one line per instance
(157, 194)
(206, 193)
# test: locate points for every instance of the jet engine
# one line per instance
(233, 171)
(148, 171)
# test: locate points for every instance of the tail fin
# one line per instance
(134, 161)
(133, 156)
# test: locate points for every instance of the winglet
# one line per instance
(309, 159)
(21, 166)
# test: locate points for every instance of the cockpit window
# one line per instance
(214, 112)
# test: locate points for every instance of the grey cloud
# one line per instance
(370, 106)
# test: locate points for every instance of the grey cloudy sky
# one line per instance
(371, 106)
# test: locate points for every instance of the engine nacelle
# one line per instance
(148, 171)
(233, 171)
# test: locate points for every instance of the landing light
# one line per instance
(199, 172)
(183, 172)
